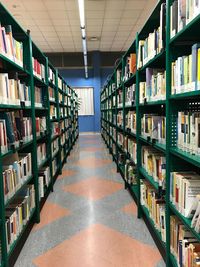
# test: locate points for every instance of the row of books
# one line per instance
(184, 188)
(9, 46)
(131, 121)
(120, 139)
(51, 94)
(13, 91)
(55, 129)
(17, 168)
(130, 93)
(51, 76)
(53, 112)
(41, 153)
(183, 245)
(130, 146)
(54, 166)
(41, 125)
(154, 126)
(130, 66)
(186, 72)
(14, 129)
(54, 146)
(38, 97)
(182, 12)
(118, 77)
(130, 172)
(119, 100)
(188, 132)
(120, 119)
(154, 43)
(38, 69)
(154, 162)
(155, 206)
(18, 214)
(59, 83)
(154, 88)
(62, 139)
(43, 180)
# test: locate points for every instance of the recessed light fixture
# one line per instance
(93, 38)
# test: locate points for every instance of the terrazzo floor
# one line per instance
(90, 219)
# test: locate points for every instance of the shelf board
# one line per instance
(10, 151)
(186, 221)
(43, 163)
(153, 103)
(158, 234)
(130, 107)
(11, 65)
(157, 145)
(130, 80)
(38, 81)
(193, 159)
(186, 95)
(18, 191)
(188, 32)
(130, 133)
(149, 178)
(154, 61)
(55, 154)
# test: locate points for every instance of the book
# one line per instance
(155, 205)
(130, 93)
(188, 132)
(120, 118)
(38, 97)
(44, 180)
(51, 76)
(41, 153)
(18, 214)
(38, 69)
(184, 188)
(10, 47)
(154, 88)
(154, 43)
(154, 162)
(130, 147)
(130, 66)
(119, 100)
(55, 147)
(51, 94)
(183, 245)
(130, 173)
(41, 125)
(16, 170)
(119, 77)
(130, 121)
(53, 112)
(154, 126)
(14, 91)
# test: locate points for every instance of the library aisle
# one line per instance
(89, 220)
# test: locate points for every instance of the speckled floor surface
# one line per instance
(89, 220)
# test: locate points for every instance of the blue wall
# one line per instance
(97, 77)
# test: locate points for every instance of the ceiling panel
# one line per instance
(55, 24)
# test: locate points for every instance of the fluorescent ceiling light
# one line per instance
(83, 33)
(81, 13)
(84, 46)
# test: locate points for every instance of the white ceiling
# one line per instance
(55, 27)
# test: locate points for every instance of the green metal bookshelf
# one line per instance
(35, 111)
(176, 159)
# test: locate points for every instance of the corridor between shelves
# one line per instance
(89, 220)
